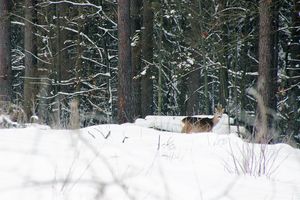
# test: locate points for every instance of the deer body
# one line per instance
(197, 124)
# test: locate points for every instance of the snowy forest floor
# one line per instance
(133, 161)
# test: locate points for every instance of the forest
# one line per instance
(115, 61)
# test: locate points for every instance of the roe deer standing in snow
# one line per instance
(197, 124)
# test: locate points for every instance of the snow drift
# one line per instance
(129, 161)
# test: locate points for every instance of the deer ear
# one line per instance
(223, 109)
(216, 110)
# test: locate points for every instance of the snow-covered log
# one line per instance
(6, 122)
(174, 124)
(166, 123)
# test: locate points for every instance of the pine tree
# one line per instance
(265, 79)
(125, 103)
(5, 58)
(30, 47)
(147, 56)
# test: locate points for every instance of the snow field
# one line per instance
(129, 161)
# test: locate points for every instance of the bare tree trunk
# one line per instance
(294, 72)
(136, 23)
(125, 111)
(5, 63)
(74, 121)
(263, 118)
(160, 63)
(43, 76)
(30, 46)
(223, 73)
(147, 49)
(62, 63)
(244, 61)
(63, 35)
(194, 76)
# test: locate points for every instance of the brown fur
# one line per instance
(197, 124)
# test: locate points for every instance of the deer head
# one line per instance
(218, 114)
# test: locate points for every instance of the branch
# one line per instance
(72, 3)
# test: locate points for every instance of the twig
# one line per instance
(158, 143)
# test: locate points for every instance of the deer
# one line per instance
(198, 125)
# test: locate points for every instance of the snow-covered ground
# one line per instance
(132, 161)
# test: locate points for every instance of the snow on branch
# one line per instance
(87, 38)
(26, 20)
(87, 3)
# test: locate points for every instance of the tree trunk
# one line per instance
(246, 63)
(62, 60)
(62, 63)
(125, 111)
(5, 63)
(147, 49)
(194, 76)
(136, 23)
(30, 46)
(223, 72)
(294, 72)
(74, 121)
(275, 51)
(43, 75)
(159, 64)
(264, 88)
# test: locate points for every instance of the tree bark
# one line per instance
(147, 49)
(125, 111)
(223, 73)
(62, 60)
(244, 61)
(5, 47)
(30, 47)
(194, 76)
(294, 72)
(265, 79)
(136, 23)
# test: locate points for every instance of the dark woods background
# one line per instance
(171, 57)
